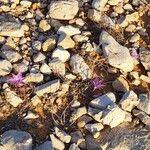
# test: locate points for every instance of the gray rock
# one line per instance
(74, 147)
(36, 45)
(129, 101)
(99, 4)
(142, 116)
(16, 140)
(118, 56)
(63, 10)
(49, 87)
(144, 58)
(80, 67)
(103, 101)
(45, 146)
(5, 67)
(39, 57)
(9, 26)
(144, 103)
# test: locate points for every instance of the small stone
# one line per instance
(12, 98)
(80, 67)
(135, 38)
(45, 69)
(75, 104)
(120, 84)
(61, 53)
(144, 103)
(31, 115)
(103, 101)
(74, 147)
(45, 146)
(113, 116)
(99, 4)
(34, 78)
(134, 75)
(136, 82)
(80, 38)
(57, 144)
(49, 87)
(57, 67)
(94, 15)
(63, 136)
(36, 45)
(66, 42)
(128, 7)
(80, 22)
(70, 76)
(38, 57)
(5, 67)
(129, 101)
(35, 100)
(145, 78)
(142, 116)
(88, 47)
(49, 44)
(118, 9)
(44, 25)
(114, 2)
(15, 140)
(26, 3)
(63, 10)
(68, 30)
(78, 113)
(130, 28)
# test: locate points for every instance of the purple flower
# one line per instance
(134, 54)
(16, 79)
(97, 84)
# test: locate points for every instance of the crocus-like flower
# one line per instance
(97, 83)
(134, 54)
(16, 79)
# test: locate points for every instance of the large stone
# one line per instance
(9, 26)
(118, 56)
(80, 67)
(103, 101)
(144, 103)
(145, 58)
(5, 67)
(63, 10)
(16, 140)
(49, 87)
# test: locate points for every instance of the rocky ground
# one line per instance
(74, 74)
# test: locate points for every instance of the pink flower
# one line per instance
(16, 79)
(134, 54)
(97, 83)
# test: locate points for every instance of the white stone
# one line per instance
(129, 101)
(49, 87)
(38, 57)
(118, 56)
(63, 10)
(57, 144)
(80, 38)
(63, 136)
(114, 2)
(103, 101)
(80, 67)
(31, 115)
(68, 30)
(25, 3)
(45, 69)
(5, 67)
(45, 146)
(16, 140)
(144, 103)
(61, 53)
(99, 4)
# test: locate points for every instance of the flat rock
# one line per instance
(80, 67)
(9, 26)
(103, 101)
(63, 10)
(16, 140)
(118, 56)
(49, 87)
(144, 103)
(45, 146)
(5, 67)
(144, 58)
(129, 101)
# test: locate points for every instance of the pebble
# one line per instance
(135, 38)
(35, 100)
(45, 146)
(57, 144)
(129, 101)
(130, 28)
(145, 78)
(45, 69)
(5, 67)
(44, 26)
(74, 147)
(49, 87)
(61, 53)
(30, 115)
(103, 101)
(99, 4)
(94, 15)
(63, 10)
(80, 67)
(15, 140)
(26, 3)
(80, 38)
(36, 45)
(114, 2)
(39, 57)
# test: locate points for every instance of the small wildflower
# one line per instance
(134, 54)
(16, 79)
(97, 84)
